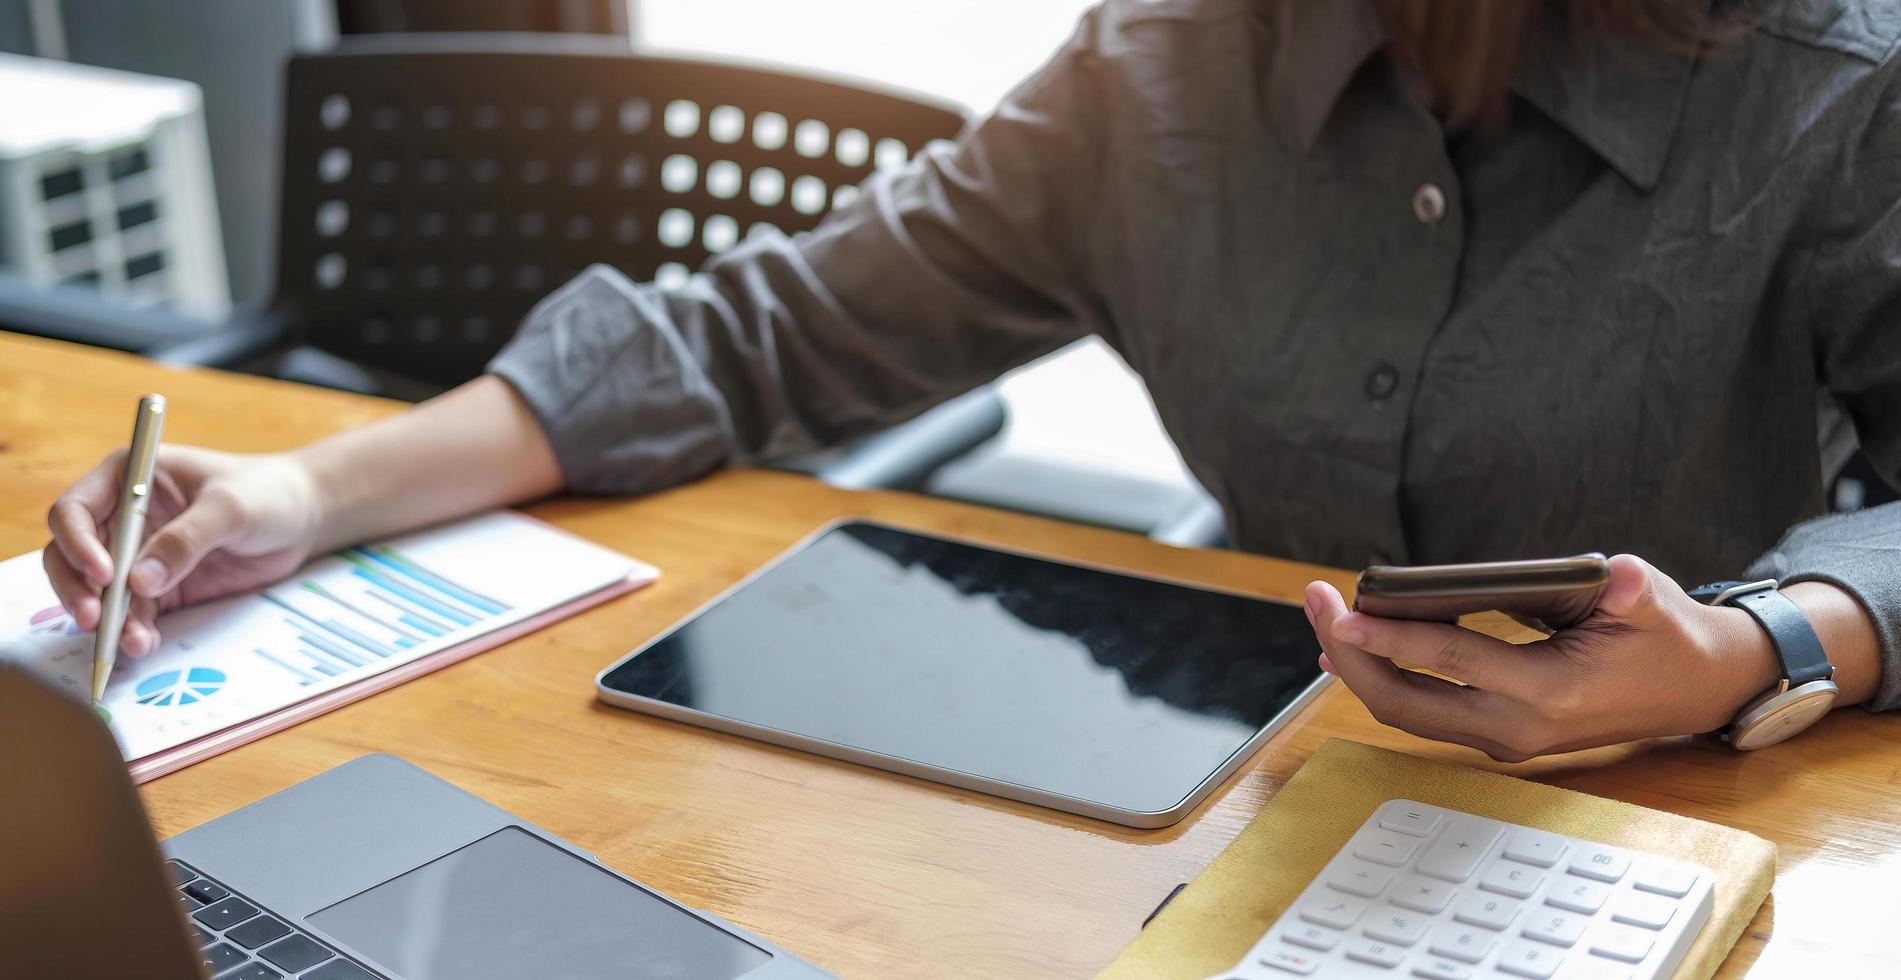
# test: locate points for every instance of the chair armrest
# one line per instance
(1200, 524)
(904, 456)
(244, 338)
(88, 317)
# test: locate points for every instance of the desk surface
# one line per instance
(863, 872)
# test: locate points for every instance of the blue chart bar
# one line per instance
(304, 677)
(321, 667)
(331, 627)
(407, 612)
(380, 649)
(354, 610)
(454, 615)
(337, 651)
(427, 627)
(409, 569)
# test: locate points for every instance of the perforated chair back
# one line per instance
(436, 186)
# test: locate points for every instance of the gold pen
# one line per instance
(128, 532)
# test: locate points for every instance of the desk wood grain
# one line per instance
(865, 873)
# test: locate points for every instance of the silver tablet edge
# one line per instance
(1143, 819)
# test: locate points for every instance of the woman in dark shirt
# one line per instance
(1409, 282)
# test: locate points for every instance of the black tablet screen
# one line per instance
(1087, 684)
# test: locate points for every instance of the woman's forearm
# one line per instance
(472, 448)
(1848, 635)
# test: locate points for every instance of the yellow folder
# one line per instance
(1224, 911)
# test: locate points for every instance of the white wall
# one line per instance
(968, 50)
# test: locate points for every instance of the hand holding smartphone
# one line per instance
(1557, 592)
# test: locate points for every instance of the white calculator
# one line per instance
(1423, 891)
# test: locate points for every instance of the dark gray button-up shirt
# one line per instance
(1606, 322)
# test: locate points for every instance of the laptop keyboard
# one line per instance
(239, 941)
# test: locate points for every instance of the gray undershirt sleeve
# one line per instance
(971, 260)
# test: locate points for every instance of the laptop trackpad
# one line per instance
(512, 905)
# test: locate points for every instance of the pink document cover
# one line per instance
(179, 756)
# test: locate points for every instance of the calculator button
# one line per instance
(1385, 847)
(1523, 959)
(1415, 891)
(1644, 910)
(1419, 821)
(1312, 937)
(1673, 880)
(1489, 911)
(1556, 928)
(1532, 847)
(1359, 878)
(1375, 952)
(1440, 968)
(1578, 895)
(1337, 913)
(1620, 943)
(1509, 878)
(1600, 863)
(1396, 926)
(1461, 943)
(1291, 960)
(1422, 894)
(1458, 851)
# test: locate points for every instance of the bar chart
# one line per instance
(377, 604)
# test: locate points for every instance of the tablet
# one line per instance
(1100, 693)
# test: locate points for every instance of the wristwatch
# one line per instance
(1807, 689)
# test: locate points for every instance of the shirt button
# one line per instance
(1380, 383)
(1429, 204)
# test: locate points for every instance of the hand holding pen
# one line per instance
(213, 524)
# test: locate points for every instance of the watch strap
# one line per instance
(1803, 659)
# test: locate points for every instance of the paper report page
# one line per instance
(341, 619)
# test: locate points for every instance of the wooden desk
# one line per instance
(865, 873)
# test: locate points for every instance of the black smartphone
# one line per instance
(1556, 592)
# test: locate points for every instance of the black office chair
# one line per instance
(435, 186)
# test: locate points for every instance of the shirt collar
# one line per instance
(1319, 47)
(1622, 101)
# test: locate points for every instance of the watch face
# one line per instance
(1784, 715)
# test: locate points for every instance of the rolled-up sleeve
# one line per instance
(940, 276)
(1859, 553)
(1852, 289)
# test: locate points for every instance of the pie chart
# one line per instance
(179, 687)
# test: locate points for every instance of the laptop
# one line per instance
(373, 869)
